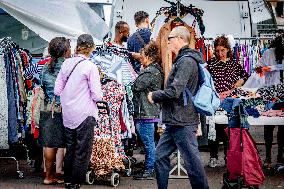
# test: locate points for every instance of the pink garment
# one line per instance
(79, 95)
(273, 113)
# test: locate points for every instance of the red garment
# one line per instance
(123, 126)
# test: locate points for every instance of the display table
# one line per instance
(262, 120)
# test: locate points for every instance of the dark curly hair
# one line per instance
(57, 48)
(278, 44)
(152, 51)
(140, 17)
(224, 42)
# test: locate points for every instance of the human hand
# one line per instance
(136, 56)
(150, 99)
(239, 83)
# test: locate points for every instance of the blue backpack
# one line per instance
(206, 100)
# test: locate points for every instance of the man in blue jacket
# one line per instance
(139, 39)
(181, 119)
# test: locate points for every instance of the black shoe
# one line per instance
(142, 151)
(72, 186)
(145, 175)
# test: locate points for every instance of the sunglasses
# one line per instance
(169, 38)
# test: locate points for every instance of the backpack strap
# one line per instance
(186, 94)
(140, 38)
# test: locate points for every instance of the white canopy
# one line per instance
(54, 18)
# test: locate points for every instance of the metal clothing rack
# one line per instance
(11, 157)
(178, 169)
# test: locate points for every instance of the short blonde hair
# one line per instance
(84, 50)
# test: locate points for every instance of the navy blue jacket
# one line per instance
(135, 45)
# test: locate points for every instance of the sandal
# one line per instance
(53, 181)
(50, 182)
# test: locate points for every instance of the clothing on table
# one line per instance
(79, 94)
(225, 74)
(134, 44)
(268, 59)
(3, 106)
(233, 106)
(272, 92)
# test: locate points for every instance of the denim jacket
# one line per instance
(48, 80)
(231, 106)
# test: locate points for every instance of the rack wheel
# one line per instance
(114, 179)
(90, 177)
(128, 172)
(20, 174)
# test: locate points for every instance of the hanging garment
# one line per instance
(115, 63)
(3, 106)
(113, 93)
(162, 42)
(12, 105)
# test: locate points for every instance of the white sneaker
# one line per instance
(213, 162)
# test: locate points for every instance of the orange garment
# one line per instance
(162, 42)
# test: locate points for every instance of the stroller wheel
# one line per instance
(114, 179)
(128, 172)
(90, 177)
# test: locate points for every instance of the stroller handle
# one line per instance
(103, 107)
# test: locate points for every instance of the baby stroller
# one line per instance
(105, 165)
(244, 169)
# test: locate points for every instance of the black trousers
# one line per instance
(79, 143)
(220, 136)
(268, 138)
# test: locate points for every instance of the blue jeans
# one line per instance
(184, 139)
(146, 131)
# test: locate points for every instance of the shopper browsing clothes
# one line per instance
(273, 59)
(52, 135)
(227, 75)
(139, 39)
(181, 120)
(145, 113)
(79, 88)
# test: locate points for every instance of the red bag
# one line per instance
(243, 160)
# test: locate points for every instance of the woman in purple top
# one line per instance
(227, 75)
(79, 89)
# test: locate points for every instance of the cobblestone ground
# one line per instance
(9, 178)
